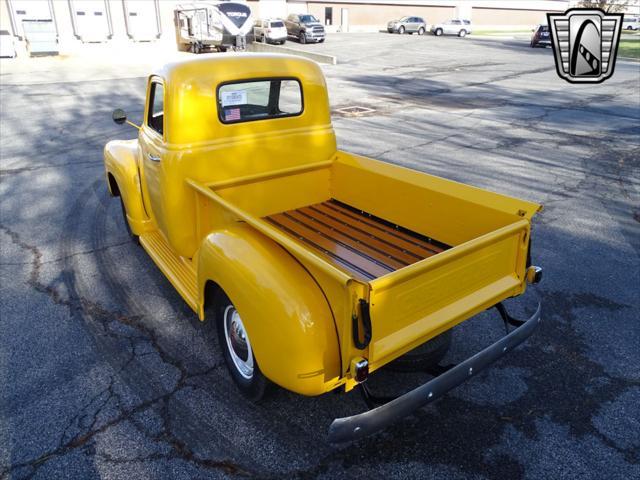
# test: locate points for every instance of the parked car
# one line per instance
(313, 279)
(407, 25)
(452, 27)
(540, 36)
(631, 23)
(7, 47)
(270, 31)
(305, 27)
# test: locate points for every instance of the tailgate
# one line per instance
(418, 302)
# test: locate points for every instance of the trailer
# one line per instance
(221, 25)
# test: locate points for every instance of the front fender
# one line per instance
(287, 317)
(120, 162)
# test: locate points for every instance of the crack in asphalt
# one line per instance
(83, 438)
(60, 259)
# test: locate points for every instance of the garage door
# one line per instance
(142, 19)
(91, 20)
(41, 37)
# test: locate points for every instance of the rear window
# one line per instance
(259, 100)
(277, 24)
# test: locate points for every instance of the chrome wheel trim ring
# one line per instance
(236, 337)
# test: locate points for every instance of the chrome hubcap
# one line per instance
(238, 342)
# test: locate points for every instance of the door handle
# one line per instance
(152, 157)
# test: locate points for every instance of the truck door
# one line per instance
(152, 149)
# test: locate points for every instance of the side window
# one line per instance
(156, 108)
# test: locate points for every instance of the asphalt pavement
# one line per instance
(106, 373)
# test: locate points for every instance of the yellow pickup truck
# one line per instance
(317, 266)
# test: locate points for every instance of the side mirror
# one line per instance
(119, 116)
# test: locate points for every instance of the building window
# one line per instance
(328, 15)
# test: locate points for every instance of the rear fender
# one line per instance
(287, 317)
(121, 164)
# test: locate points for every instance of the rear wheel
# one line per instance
(237, 351)
(421, 31)
(401, 30)
(263, 39)
(438, 32)
(426, 355)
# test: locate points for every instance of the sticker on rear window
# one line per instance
(231, 114)
(234, 97)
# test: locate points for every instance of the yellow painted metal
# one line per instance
(120, 161)
(199, 213)
(286, 316)
(180, 271)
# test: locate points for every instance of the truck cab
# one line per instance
(317, 266)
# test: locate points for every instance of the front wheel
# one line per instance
(421, 31)
(302, 38)
(237, 351)
(321, 40)
(438, 32)
(462, 33)
(401, 30)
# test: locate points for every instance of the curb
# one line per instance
(318, 57)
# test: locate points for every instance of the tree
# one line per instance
(609, 6)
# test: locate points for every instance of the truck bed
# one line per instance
(355, 241)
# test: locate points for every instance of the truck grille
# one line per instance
(317, 30)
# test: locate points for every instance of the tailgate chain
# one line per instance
(366, 325)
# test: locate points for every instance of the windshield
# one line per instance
(308, 18)
(404, 19)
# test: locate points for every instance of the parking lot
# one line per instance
(106, 373)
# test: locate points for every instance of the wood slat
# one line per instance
(365, 246)
(380, 231)
(389, 228)
(360, 235)
(390, 262)
(343, 256)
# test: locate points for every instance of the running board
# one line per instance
(177, 269)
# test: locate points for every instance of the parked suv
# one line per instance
(407, 25)
(305, 27)
(452, 27)
(540, 36)
(270, 31)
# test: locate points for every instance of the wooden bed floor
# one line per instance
(358, 242)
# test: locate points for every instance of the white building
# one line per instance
(68, 25)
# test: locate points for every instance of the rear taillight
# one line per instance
(359, 369)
